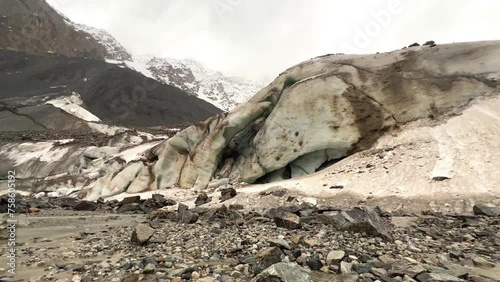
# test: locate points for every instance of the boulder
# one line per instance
(486, 209)
(85, 206)
(284, 272)
(287, 220)
(202, 199)
(142, 234)
(363, 220)
(184, 215)
(267, 257)
(131, 200)
(335, 257)
(227, 194)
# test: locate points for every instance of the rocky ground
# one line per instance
(64, 239)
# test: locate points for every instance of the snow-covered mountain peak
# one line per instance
(224, 92)
(191, 76)
(115, 50)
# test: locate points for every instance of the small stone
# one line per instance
(130, 277)
(481, 262)
(345, 267)
(202, 199)
(301, 259)
(236, 274)
(314, 263)
(469, 237)
(334, 257)
(311, 242)
(150, 268)
(34, 210)
(456, 254)
(195, 276)
(386, 259)
(437, 277)
(280, 243)
(287, 220)
(206, 279)
(227, 194)
(380, 272)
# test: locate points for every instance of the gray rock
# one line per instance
(287, 220)
(334, 257)
(202, 199)
(318, 276)
(130, 277)
(185, 215)
(141, 234)
(437, 277)
(363, 220)
(345, 267)
(280, 243)
(314, 263)
(284, 272)
(85, 206)
(403, 267)
(131, 200)
(486, 209)
(227, 194)
(150, 268)
(482, 262)
(267, 257)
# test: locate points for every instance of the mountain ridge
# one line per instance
(215, 87)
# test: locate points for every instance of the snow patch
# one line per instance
(43, 151)
(74, 105)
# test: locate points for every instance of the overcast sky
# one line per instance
(258, 39)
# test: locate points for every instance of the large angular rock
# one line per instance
(141, 234)
(486, 209)
(287, 220)
(363, 220)
(284, 272)
(227, 194)
(85, 206)
(335, 257)
(438, 277)
(267, 257)
(402, 267)
(202, 199)
(184, 215)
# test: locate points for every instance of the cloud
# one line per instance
(259, 38)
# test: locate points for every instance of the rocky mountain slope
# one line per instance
(112, 93)
(223, 91)
(35, 27)
(115, 51)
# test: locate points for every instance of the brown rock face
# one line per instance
(35, 27)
